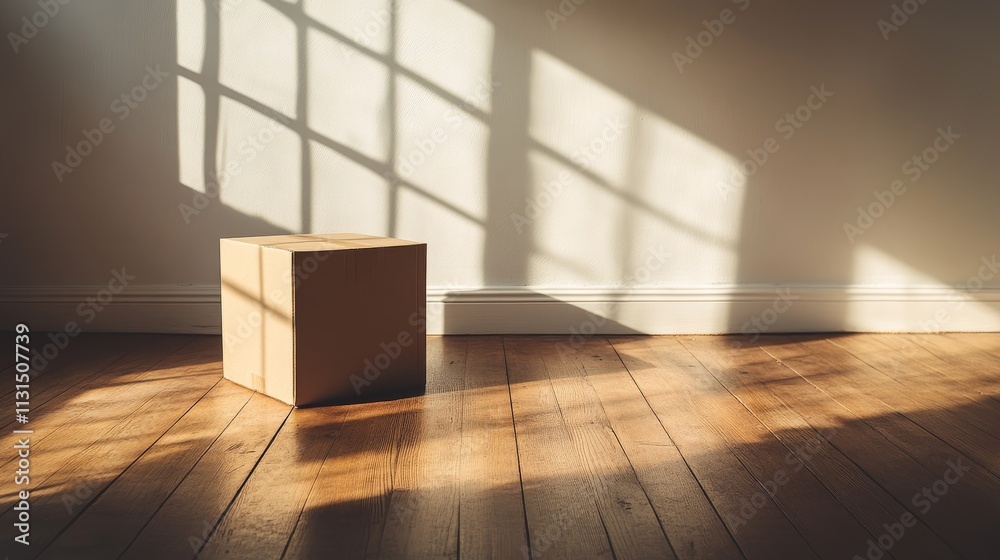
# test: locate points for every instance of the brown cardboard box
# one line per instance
(309, 319)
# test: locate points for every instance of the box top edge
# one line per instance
(323, 242)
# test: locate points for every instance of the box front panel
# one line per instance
(359, 323)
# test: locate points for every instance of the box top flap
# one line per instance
(323, 241)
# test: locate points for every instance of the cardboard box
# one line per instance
(311, 319)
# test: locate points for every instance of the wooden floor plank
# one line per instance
(692, 526)
(422, 519)
(912, 353)
(88, 357)
(560, 501)
(889, 401)
(132, 499)
(491, 520)
(526, 447)
(937, 389)
(762, 385)
(823, 520)
(901, 455)
(80, 390)
(678, 389)
(261, 520)
(345, 512)
(109, 412)
(93, 468)
(628, 516)
(188, 517)
(965, 353)
(985, 342)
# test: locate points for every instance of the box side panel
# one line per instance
(419, 357)
(358, 322)
(278, 296)
(256, 318)
(242, 345)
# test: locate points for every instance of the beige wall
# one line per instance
(566, 153)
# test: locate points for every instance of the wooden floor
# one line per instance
(525, 447)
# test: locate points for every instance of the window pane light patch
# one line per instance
(191, 134)
(348, 97)
(191, 34)
(455, 243)
(448, 45)
(347, 196)
(362, 25)
(441, 149)
(259, 165)
(258, 55)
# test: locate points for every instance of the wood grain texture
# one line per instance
(560, 501)
(86, 470)
(346, 509)
(265, 512)
(692, 526)
(80, 361)
(89, 444)
(764, 387)
(422, 516)
(528, 447)
(135, 496)
(628, 517)
(902, 456)
(681, 393)
(188, 517)
(491, 509)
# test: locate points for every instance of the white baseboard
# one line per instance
(152, 309)
(668, 310)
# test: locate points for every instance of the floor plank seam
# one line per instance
(847, 455)
(236, 495)
(180, 481)
(93, 499)
(517, 449)
(680, 453)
